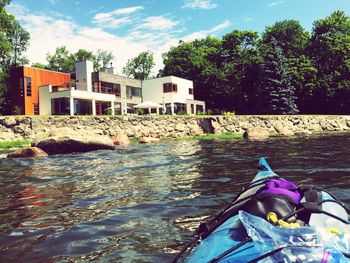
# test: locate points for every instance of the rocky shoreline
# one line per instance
(114, 130)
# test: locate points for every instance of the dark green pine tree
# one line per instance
(277, 93)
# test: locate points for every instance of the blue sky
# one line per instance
(129, 27)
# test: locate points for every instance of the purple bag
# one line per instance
(282, 187)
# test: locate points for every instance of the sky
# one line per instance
(128, 27)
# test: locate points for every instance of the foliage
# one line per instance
(228, 73)
(224, 136)
(14, 41)
(102, 60)
(141, 66)
(64, 61)
(277, 93)
(14, 144)
(329, 49)
(38, 65)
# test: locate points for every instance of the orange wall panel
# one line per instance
(40, 77)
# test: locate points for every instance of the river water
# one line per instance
(140, 203)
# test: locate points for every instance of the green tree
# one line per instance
(330, 50)
(293, 40)
(14, 41)
(61, 60)
(38, 65)
(64, 61)
(241, 67)
(140, 67)
(102, 59)
(277, 93)
(198, 61)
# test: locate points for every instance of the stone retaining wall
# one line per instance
(37, 127)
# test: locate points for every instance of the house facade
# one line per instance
(24, 87)
(177, 94)
(86, 92)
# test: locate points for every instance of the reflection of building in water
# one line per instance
(31, 204)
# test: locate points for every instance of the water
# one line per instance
(139, 204)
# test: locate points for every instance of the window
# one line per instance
(169, 87)
(28, 87)
(133, 92)
(190, 91)
(36, 109)
(21, 89)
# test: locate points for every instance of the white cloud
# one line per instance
(47, 33)
(272, 4)
(199, 4)
(115, 18)
(126, 11)
(157, 23)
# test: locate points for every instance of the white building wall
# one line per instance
(152, 90)
(44, 100)
(83, 70)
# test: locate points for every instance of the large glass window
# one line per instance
(133, 92)
(110, 88)
(180, 108)
(169, 87)
(60, 106)
(21, 89)
(82, 107)
(28, 86)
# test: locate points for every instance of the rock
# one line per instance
(27, 153)
(281, 129)
(256, 134)
(148, 140)
(121, 139)
(70, 144)
(10, 122)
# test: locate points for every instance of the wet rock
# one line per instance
(71, 144)
(32, 152)
(121, 139)
(256, 134)
(148, 140)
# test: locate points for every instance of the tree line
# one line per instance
(285, 70)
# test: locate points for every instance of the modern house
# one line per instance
(37, 91)
(176, 93)
(24, 87)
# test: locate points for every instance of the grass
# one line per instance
(225, 136)
(5, 145)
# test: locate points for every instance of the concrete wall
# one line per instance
(36, 127)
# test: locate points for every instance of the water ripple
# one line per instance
(140, 203)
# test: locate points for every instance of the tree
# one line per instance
(141, 66)
(102, 60)
(277, 93)
(64, 61)
(293, 40)
(61, 60)
(330, 50)
(38, 65)
(198, 61)
(240, 65)
(14, 41)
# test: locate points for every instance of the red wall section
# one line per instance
(39, 78)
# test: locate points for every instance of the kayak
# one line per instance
(274, 220)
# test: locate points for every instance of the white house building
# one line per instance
(97, 93)
(177, 94)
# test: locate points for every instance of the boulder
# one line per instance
(282, 129)
(27, 153)
(121, 139)
(70, 144)
(148, 140)
(256, 134)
